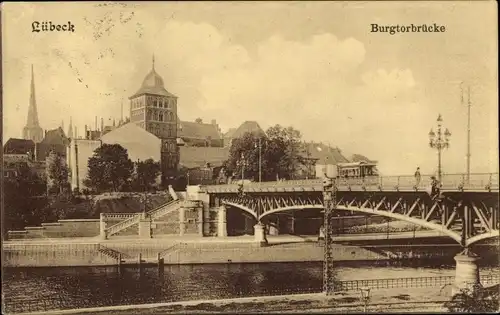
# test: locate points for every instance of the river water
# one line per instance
(76, 287)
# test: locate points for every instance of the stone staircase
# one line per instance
(119, 256)
(133, 219)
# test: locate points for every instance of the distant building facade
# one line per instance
(199, 134)
(322, 159)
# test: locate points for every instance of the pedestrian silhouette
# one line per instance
(418, 177)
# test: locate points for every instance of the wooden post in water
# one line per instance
(119, 259)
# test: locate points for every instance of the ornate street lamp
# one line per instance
(242, 163)
(439, 141)
(260, 159)
(365, 297)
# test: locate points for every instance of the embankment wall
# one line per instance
(47, 255)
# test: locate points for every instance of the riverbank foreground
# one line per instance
(382, 300)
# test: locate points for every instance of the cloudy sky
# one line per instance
(315, 66)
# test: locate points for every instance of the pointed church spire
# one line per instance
(32, 130)
(70, 128)
(153, 61)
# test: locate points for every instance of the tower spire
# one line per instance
(32, 130)
(70, 128)
(153, 61)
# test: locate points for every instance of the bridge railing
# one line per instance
(480, 181)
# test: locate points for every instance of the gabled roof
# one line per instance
(360, 158)
(248, 126)
(18, 146)
(140, 144)
(323, 153)
(192, 157)
(230, 133)
(55, 136)
(194, 130)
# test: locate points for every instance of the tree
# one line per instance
(25, 199)
(474, 300)
(57, 173)
(109, 169)
(146, 173)
(293, 157)
(281, 155)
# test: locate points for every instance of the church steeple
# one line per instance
(32, 130)
(70, 128)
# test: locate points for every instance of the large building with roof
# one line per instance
(200, 134)
(246, 127)
(154, 109)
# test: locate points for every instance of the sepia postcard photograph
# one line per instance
(233, 157)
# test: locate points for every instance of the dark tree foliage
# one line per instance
(474, 300)
(57, 172)
(289, 139)
(281, 155)
(109, 169)
(146, 173)
(25, 200)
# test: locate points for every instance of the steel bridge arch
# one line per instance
(242, 207)
(433, 226)
(480, 237)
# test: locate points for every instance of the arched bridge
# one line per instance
(467, 210)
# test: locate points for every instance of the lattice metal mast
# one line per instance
(330, 201)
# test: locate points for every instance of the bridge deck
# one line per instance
(451, 182)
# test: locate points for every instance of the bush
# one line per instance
(475, 300)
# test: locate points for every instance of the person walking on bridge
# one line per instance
(434, 187)
(418, 178)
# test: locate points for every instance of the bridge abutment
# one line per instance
(144, 226)
(222, 222)
(466, 271)
(102, 227)
(182, 221)
(260, 234)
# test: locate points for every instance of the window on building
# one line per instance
(160, 116)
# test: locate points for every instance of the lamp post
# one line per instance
(365, 297)
(242, 162)
(260, 159)
(439, 141)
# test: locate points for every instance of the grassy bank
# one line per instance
(383, 300)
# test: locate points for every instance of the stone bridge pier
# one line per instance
(259, 228)
(466, 271)
(260, 233)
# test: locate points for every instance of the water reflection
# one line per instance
(104, 286)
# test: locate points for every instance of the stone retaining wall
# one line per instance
(44, 255)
